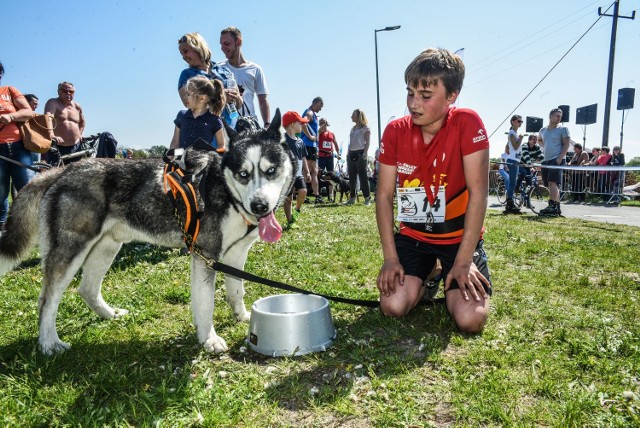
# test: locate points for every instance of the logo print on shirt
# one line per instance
(480, 137)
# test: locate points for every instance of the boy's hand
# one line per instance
(470, 280)
(389, 272)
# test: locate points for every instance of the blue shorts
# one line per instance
(418, 258)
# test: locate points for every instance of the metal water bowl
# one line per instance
(290, 324)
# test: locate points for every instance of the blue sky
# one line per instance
(123, 58)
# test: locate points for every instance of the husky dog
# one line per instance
(86, 211)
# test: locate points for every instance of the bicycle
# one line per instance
(501, 190)
(88, 149)
(534, 195)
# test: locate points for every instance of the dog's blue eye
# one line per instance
(243, 174)
(270, 171)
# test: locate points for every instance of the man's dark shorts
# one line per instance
(418, 258)
(552, 174)
(325, 163)
(311, 153)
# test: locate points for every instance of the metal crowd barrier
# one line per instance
(604, 182)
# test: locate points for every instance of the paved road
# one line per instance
(601, 213)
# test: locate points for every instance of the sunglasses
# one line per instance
(519, 121)
(182, 39)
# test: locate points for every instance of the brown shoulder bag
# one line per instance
(36, 132)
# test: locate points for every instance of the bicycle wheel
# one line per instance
(41, 166)
(538, 198)
(501, 193)
(518, 198)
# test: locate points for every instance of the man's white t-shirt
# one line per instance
(251, 77)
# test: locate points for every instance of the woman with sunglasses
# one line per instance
(514, 145)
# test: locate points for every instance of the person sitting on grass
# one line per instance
(438, 154)
(292, 122)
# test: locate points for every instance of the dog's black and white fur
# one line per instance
(339, 184)
(86, 211)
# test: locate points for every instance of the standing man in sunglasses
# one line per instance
(69, 118)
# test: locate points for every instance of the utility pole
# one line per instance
(612, 55)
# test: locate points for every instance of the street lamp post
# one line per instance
(375, 35)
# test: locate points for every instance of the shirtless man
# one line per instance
(69, 117)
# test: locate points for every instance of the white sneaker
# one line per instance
(351, 201)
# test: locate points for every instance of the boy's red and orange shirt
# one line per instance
(439, 162)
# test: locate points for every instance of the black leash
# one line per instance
(24, 165)
(229, 270)
(221, 267)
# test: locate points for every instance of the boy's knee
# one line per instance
(472, 322)
(394, 309)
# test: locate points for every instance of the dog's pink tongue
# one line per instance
(269, 228)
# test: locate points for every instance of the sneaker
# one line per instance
(432, 288)
(294, 215)
(351, 201)
(552, 210)
(511, 208)
(290, 225)
(319, 200)
(367, 201)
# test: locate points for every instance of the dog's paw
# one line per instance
(53, 348)
(119, 313)
(243, 317)
(215, 345)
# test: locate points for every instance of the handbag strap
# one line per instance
(53, 121)
(245, 106)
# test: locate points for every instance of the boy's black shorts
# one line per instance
(418, 258)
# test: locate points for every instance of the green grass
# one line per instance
(561, 348)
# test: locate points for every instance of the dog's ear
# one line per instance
(232, 135)
(273, 130)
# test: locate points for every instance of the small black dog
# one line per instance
(339, 184)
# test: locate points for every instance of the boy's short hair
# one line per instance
(433, 65)
(577, 146)
(555, 110)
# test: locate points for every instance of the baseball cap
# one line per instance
(292, 116)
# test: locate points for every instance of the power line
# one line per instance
(548, 72)
(561, 22)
